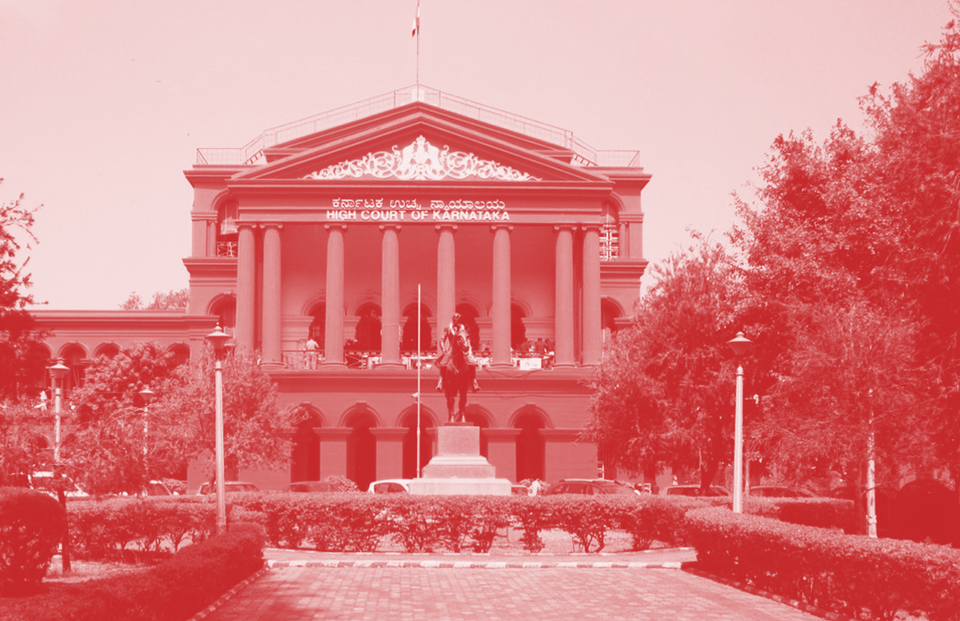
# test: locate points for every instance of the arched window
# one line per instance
(318, 327)
(110, 350)
(531, 448)
(409, 340)
(227, 213)
(225, 310)
(367, 334)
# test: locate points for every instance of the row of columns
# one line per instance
(565, 293)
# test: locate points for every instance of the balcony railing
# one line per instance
(252, 152)
(301, 360)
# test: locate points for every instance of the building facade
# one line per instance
(339, 247)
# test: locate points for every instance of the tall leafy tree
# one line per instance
(21, 356)
(172, 300)
(664, 392)
(256, 430)
(105, 448)
(917, 129)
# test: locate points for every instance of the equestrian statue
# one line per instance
(458, 368)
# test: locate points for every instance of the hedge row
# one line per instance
(851, 574)
(122, 528)
(172, 591)
(140, 529)
(143, 528)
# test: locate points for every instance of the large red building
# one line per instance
(333, 227)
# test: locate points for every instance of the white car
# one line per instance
(390, 486)
(47, 483)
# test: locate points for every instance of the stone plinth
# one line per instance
(458, 467)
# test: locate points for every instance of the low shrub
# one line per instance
(31, 525)
(137, 528)
(820, 512)
(172, 591)
(851, 574)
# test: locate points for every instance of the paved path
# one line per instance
(343, 587)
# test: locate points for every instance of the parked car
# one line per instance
(780, 491)
(158, 488)
(694, 490)
(312, 487)
(229, 487)
(48, 483)
(589, 486)
(390, 486)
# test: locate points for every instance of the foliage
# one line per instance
(255, 429)
(662, 394)
(31, 525)
(22, 443)
(825, 568)
(106, 450)
(22, 358)
(138, 529)
(177, 589)
(172, 300)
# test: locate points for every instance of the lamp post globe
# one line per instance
(740, 345)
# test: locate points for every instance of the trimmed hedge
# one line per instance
(138, 529)
(31, 526)
(172, 591)
(851, 574)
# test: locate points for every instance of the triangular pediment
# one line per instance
(421, 161)
(417, 143)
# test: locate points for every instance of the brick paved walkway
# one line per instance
(547, 589)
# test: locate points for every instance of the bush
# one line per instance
(175, 590)
(826, 568)
(31, 525)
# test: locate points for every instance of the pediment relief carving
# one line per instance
(421, 161)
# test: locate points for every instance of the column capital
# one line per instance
(494, 227)
(591, 226)
(342, 227)
(452, 227)
(267, 225)
(564, 227)
(384, 227)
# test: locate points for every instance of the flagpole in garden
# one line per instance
(418, 381)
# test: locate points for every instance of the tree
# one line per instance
(21, 360)
(23, 447)
(106, 447)
(917, 128)
(172, 300)
(849, 390)
(255, 429)
(663, 393)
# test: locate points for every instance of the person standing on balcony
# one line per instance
(312, 351)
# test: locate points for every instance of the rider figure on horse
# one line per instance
(453, 334)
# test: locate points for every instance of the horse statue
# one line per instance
(457, 369)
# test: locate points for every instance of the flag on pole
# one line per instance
(416, 21)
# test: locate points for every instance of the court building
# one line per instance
(331, 228)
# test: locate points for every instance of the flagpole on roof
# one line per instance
(416, 33)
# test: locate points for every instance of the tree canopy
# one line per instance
(22, 357)
(172, 300)
(845, 271)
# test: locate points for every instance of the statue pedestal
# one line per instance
(458, 468)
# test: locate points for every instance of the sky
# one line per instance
(105, 102)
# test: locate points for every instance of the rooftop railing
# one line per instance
(252, 153)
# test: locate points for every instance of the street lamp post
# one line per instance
(740, 345)
(148, 396)
(218, 340)
(58, 372)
